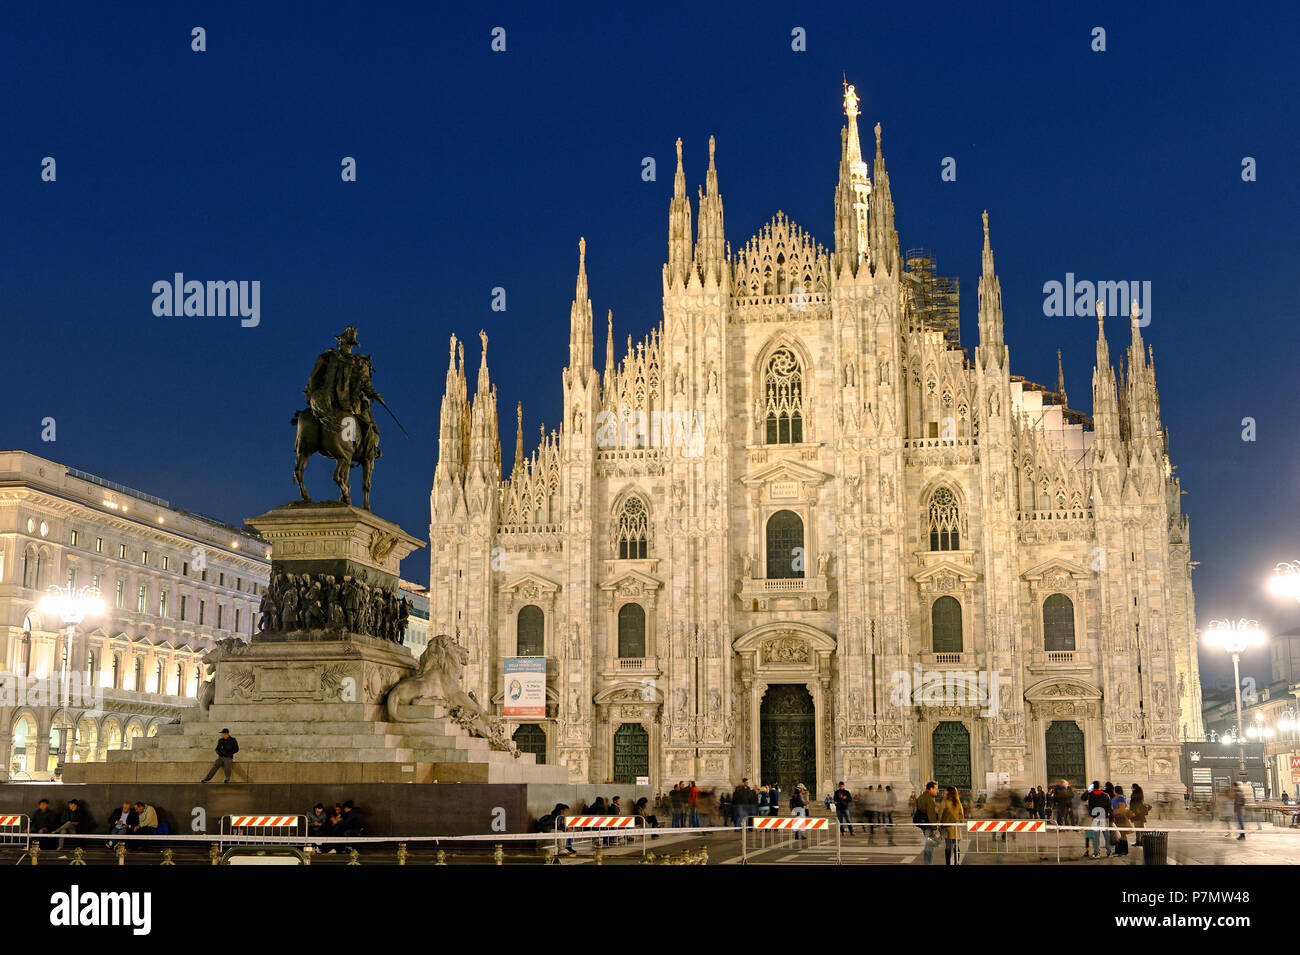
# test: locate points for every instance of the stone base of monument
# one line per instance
(308, 706)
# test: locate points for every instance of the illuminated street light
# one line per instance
(1285, 581)
(71, 605)
(1236, 638)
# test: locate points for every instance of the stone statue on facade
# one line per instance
(338, 422)
(437, 684)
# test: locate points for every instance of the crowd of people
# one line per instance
(133, 819)
(138, 818)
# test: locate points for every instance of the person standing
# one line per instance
(799, 805)
(227, 747)
(693, 804)
(1099, 811)
(950, 811)
(677, 801)
(927, 814)
(774, 800)
(843, 799)
(891, 803)
(1239, 806)
(1137, 810)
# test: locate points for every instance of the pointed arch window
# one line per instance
(633, 532)
(944, 520)
(783, 398)
(1058, 623)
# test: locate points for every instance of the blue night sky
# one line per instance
(479, 169)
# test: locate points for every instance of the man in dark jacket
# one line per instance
(843, 798)
(744, 801)
(1097, 804)
(44, 819)
(926, 806)
(227, 747)
(74, 822)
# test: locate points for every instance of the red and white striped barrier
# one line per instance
(263, 822)
(599, 822)
(788, 822)
(1006, 825)
(14, 830)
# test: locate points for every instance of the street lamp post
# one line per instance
(71, 605)
(1236, 638)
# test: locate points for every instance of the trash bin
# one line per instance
(1155, 848)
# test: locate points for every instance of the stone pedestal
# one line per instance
(329, 537)
(308, 705)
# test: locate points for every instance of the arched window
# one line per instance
(28, 627)
(783, 398)
(631, 631)
(633, 533)
(944, 520)
(945, 625)
(785, 550)
(30, 564)
(1058, 623)
(531, 638)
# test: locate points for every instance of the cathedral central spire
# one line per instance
(580, 344)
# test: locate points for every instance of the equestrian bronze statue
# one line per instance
(337, 421)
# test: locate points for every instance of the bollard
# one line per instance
(498, 856)
(78, 856)
(442, 857)
(354, 857)
(401, 853)
(599, 854)
(36, 852)
(121, 853)
(648, 859)
(552, 855)
(167, 857)
(214, 854)
(704, 855)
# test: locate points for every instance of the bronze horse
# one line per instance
(344, 446)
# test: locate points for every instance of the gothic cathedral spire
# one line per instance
(679, 228)
(991, 345)
(710, 249)
(580, 346)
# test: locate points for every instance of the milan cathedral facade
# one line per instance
(797, 535)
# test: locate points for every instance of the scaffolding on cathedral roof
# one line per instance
(934, 298)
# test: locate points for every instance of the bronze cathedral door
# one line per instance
(787, 739)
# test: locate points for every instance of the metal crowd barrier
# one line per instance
(286, 829)
(770, 832)
(1003, 835)
(15, 830)
(632, 824)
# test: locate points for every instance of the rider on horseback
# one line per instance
(338, 422)
(339, 387)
